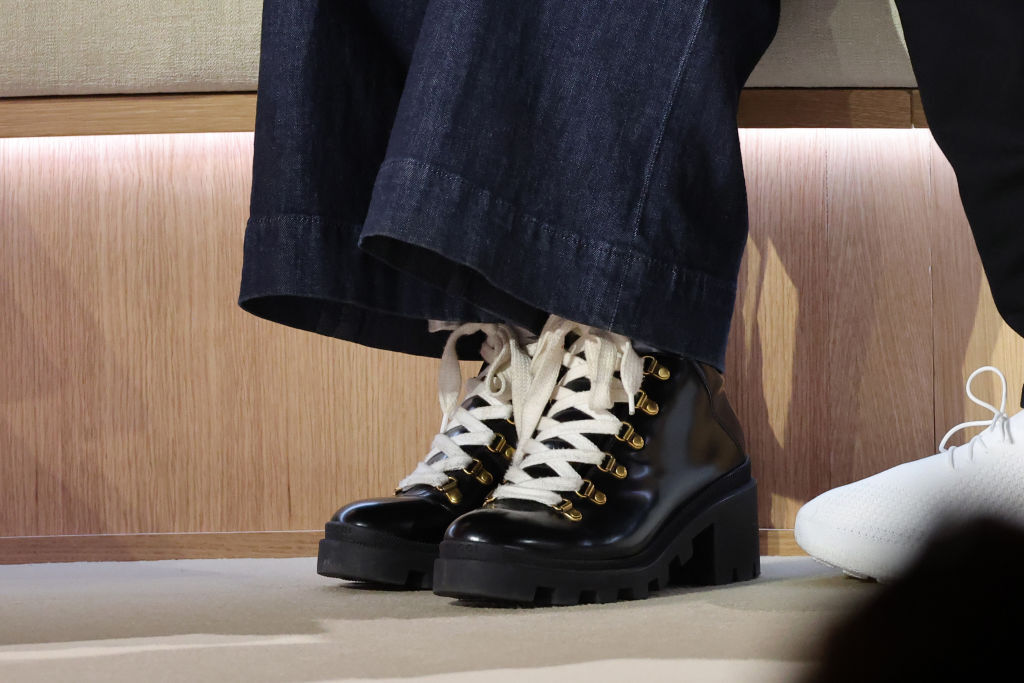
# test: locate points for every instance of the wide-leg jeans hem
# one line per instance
(469, 242)
(308, 273)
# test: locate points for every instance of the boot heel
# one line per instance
(728, 549)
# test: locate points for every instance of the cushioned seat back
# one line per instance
(62, 47)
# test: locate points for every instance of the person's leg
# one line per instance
(331, 76)
(577, 158)
(545, 157)
(969, 61)
(584, 159)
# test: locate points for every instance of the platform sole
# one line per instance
(360, 554)
(702, 544)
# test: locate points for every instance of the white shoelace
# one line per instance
(1000, 422)
(604, 353)
(502, 386)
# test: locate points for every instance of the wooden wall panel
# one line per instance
(825, 108)
(776, 353)
(122, 114)
(136, 397)
(879, 365)
(236, 111)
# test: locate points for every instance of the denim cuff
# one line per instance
(307, 272)
(467, 241)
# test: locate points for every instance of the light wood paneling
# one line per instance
(776, 353)
(120, 114)
(138, 396)
(135, 547)
(779, 542)
(139, 399)
(879, 365)
(229, 112)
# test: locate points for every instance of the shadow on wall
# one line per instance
(825, 388)
(833, 43)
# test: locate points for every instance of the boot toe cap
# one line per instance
(536, 528)
(411, 518)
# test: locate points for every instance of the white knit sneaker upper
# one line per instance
(874, 527)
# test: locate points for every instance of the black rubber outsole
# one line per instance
(703, 544)
(359, 554)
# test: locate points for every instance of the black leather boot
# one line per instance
(394, 540)
(601, 505)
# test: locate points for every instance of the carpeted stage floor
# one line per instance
(276, 620)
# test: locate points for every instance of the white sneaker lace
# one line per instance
(502, 385)
(604, 353)
(999, 424)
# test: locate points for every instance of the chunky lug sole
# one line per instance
(360, 554)
(702, 544)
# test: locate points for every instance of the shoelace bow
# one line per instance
(603, 353)
(1000, 421)
(502, 386)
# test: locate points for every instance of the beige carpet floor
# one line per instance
(276, 620)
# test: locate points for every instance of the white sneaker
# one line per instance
(875, 527)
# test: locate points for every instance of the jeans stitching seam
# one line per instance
(684, 61)
(677, 80)
(556, 231)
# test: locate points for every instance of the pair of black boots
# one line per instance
(630, 475)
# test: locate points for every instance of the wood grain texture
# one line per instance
(779, 542)
(122, 114)
(777, 345)
(229, 112)
(879, 364)
(140, 398)
(142, 547)
(170, 546)
(825, 108)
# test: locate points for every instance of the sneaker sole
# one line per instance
(360, 554)
(703, 543)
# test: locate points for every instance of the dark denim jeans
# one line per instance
(969, 61)
(487, 160)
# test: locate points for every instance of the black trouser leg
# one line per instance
(968, 57)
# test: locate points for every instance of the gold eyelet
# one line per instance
(588, 491)
(451, 489)
(654, 368)
(568, 511)
(510, 420)
(612, 467)
(629, 435)
(478, 472)
(499, 445)
(646, 403)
